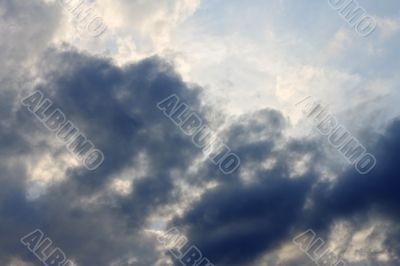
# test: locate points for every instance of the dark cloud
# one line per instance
(356, 192)
(232, 225)
(235, 224)
(354, 196)
(116, 108)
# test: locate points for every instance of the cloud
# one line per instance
(236, 224)
(152, 22)
(79, 213)
(29, 26)
(255, 210)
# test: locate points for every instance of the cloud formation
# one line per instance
(154, 177)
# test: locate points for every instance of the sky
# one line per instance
(227, 120)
